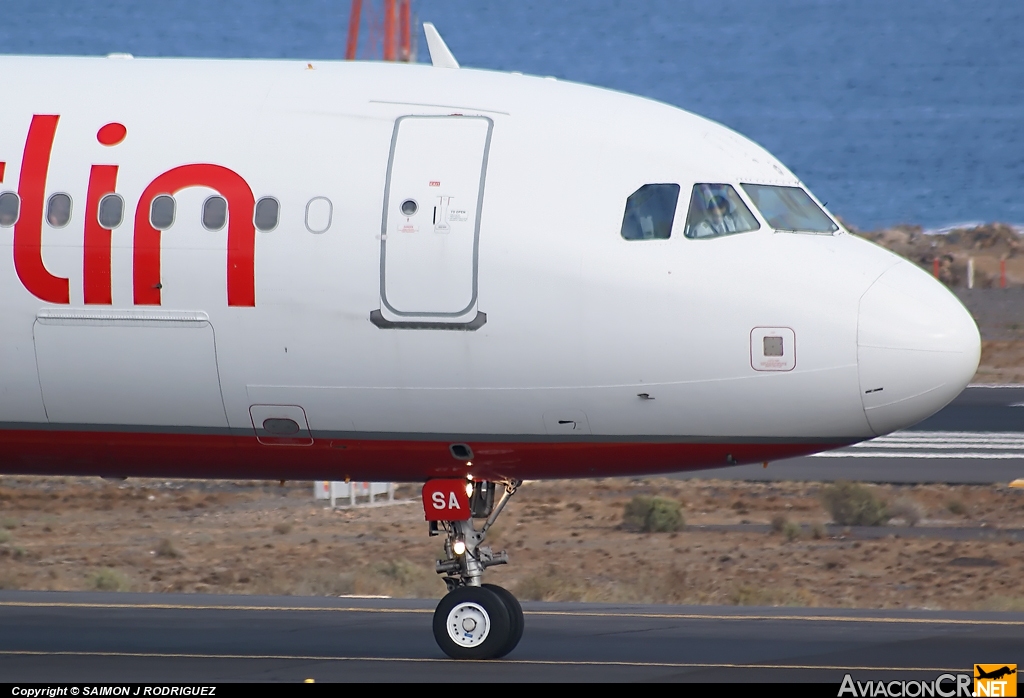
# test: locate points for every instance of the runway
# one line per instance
(92, 637)
(976, 439)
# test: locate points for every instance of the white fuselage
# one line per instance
(507, 313)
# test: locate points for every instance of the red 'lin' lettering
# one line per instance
(96, 268)
(241, 277)
(28, 231)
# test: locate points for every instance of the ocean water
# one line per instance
(890, 110)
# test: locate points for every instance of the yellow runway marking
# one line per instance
(841, 619)
(203, 607)
(429, 660)
(572, 614)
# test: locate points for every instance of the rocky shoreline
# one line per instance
(988, 244)
(996, 300)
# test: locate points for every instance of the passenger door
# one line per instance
(431, 223)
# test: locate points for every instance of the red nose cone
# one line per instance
(111, 134)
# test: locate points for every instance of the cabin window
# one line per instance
(789, 208)
(717, 210)
(650, 211)
(318, 214)
(215, 212)
(267, 214)
(58, 210)
(111, 211)
(10, 206)
(161, 212)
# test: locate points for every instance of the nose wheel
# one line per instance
(484, 622)
(474, 620)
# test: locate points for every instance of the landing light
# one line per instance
(469, 489)
(459, 547)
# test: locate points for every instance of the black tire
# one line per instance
(465, 609)
(515, 612)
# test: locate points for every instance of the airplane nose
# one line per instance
(917, 348)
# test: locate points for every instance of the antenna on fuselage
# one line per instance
(440, 55)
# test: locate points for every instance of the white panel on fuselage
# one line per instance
(152, 368)
(429, 258)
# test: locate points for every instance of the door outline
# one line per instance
(420, 320)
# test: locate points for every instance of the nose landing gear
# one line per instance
(474, 620)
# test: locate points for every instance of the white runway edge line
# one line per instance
(996, 445)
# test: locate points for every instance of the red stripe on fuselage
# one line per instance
(96, 267)
(132, 454)
(241, 253)
(28, 231)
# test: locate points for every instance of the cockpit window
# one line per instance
(716, 209)
(789, 208)
(650, 211)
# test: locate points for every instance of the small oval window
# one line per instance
(58, 210)
(267, 213)
(280, 427)
(111, 211)
(161, 212)
(215, 213)
(10, 206)
(318, 214)
(409, 207)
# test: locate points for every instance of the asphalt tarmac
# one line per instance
(977, 439)
(153, 638)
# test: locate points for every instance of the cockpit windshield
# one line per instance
(789, 208)
(715, 210)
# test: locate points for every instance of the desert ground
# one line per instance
(944, 547)
(742, 543)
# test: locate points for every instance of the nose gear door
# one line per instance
(431, 223)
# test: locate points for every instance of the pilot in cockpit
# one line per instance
(717, 218)
(719, 215)
(716, 210)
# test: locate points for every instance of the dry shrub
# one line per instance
(818, 531)
(957, 507)
(779, 522)
(322, 582)
(748, 595)
(547, 587)
(283, 528)
(833, 561)
(108, 579)
(4, 536)
(851, 504)
(1002, 603)
(653, 515)
(908, 511)
(397, 578)
(673, 584)
(401, 571)
(166, 549)
(791, 531)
